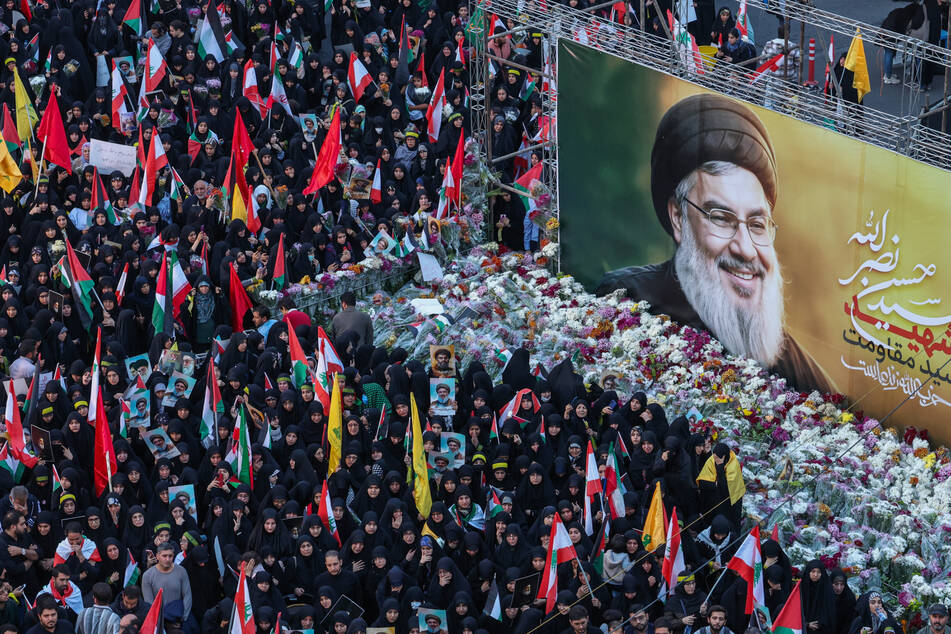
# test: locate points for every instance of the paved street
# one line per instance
(882, 97)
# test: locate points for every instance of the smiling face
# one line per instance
(734, 285)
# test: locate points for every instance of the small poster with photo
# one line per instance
(160, 444)
(442, 396)
(185, 493)
(56, 303)
(381, 244)
(138, 413)
(170, 361)
(609, 379)
(454, 444)
(359, 188)
(308, 124)
(189, 363)
(432, 621)
(126, 66)
(138, 365)
(439, 461)
(442, 360)
(42, 444)
(179, 386)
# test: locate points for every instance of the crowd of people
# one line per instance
(340, 549)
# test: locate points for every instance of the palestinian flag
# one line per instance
(600, 545)
(154, 620)
(81, 286)
(494, 431)
(57, 483)
(10, 464)
(213, 408)
(296, 58)
(299, 368)
(211, 37)
(10, 135)
(326, 514)
(195, 144)
(100, 199)
(504, 355)
(492, 504)
(132, 572)
(160, 317)
(133, 17)
(524, 184)
(16, 446)
(239, 457)
(789, 619)
(528, 87)
(493, 606)
(280, 274)
(180, 286)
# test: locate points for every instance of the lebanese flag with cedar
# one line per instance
(560, 550)
(326, 514)
(376, 190)
(673, 563)
(747, 563)
(592, 488)
(358, 76)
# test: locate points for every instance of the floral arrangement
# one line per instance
(839, 486)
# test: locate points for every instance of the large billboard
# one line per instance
(822, 257)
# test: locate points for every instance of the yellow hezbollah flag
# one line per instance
(335, 427)
(421, 493)
(26, 115)
(734, 476)
(855, 62)
(655, 526)
(10, 175)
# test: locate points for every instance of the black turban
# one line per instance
(704, 128)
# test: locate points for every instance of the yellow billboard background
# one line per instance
(863, 243)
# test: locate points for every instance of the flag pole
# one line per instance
(720, 578)
(39, 174)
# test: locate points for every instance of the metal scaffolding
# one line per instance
(902, 133)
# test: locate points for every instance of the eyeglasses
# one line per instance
(762, 229)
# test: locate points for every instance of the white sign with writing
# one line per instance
(109, 157)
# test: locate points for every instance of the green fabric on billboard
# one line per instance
(605, 133)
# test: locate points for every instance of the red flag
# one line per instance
(327, 159)
(240, 302)
(422, 66)
(458, 161)
(53, 133)
(105, 453)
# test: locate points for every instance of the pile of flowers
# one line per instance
(840, 487)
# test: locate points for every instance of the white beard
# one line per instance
(756, 333)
